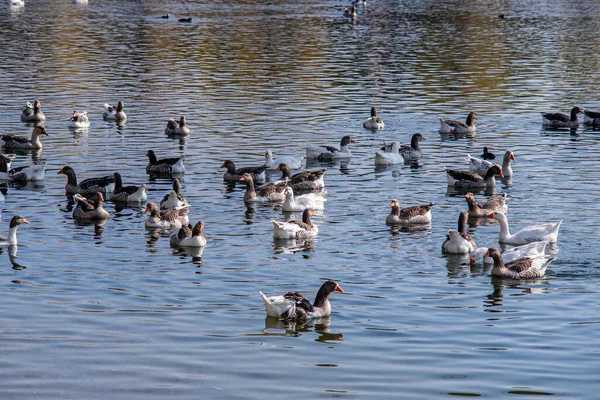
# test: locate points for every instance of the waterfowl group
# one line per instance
(165, 219)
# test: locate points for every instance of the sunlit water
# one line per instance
(114, 312)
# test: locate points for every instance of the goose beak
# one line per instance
(24, 221)
(487, 254)
(338, 288)
(490, 215)
(242, 179)
(352, 141)
(278, 169)
(471, 261)
(512, 156)
(60, 172)
(222, 166)
(501, 174)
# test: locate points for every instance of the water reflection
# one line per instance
(293, 246)
(276, 327)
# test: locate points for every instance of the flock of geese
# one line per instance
(302, 192)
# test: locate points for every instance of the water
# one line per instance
(114, 312)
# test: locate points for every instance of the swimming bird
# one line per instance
(329, 153)
(103, 184)
(459, 127)
(185, 20)
(269, 192)
(374, 122)
(390, 156)
(164, 166)
(413, 215)
(165, 16)
(299, 203)
(115, 113)
(187, 236)
(534, 233)
(33, 113)
(34, 172)
(559, 120)
(165, 219)
(302, 181)
(522, 268)
(174, 199)
(234, 174)
(459, 241)
(589, 117)
(412, 152)
(24, 142)
(467, 179)
(513, 253)
(79, 120)
(180, 128)
(486, 207)
(12, 231)
(90, 209)
(296, 229)
(487, 155)
(350, 12)
(129, 194)
(294, 306)
(291, 161)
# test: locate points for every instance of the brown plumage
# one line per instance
(470, 179)
(410, 215)
(267, 192)
(90, 209)
(302, 181)
(485, 207)
(522, 268)
(101, 184)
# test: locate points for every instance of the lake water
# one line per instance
(114, 312)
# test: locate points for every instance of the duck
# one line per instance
(90, 209)
(129, 194)
(294, 306)
(559, 120)
(33, 113)
(269, 192)
(486, 207)
(526, 250)
(167, 166)
(459, 241)
(12, 231)
(413, 215)
(234, 174)
(166, 16)
(466, 179)
(296, 229)
(521, 268)
(409, 153)
(185, 20)
(302, 181)
(390, 156)
(180, 128)
(374, 123)
(174, 199)
(350, 12)
(481, 166)
(486, 155)
(165, 219)
(589, 116)
(188, 236)
(24, 142)
(103, 184)
(79, 120)
(299, 203)
(329, 153)
(458, 127)
(534, 233)
(292, 162)
(114, 113)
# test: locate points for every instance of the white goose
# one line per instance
(390, 155)
(459, 242)
(300, 203)
(291, 161)
(296, 229)
(534, 233)
(481, 167)
(79, 120)
(527, 250)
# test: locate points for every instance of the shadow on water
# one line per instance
(276, 327)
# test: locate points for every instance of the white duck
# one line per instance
(374, 123)
(522, 268)
(459, 127)
(459, 242)
(534, 233)
(481, 167)
(12, 231)
(293, 305)
(188, 236)
(390, 155)
(296, 229)
(79, 120)
(527, 250)
(330, 153)
(291, 161)
(300, 203)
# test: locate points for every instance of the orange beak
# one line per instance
(222, 166)
(338, 288)
(278, 169)
(501, 174)
(25, 221)
(512, 157)
(487, 254)
(352, 141)
(471, 261)
(242, 179)
(490, 216)
(60, 172)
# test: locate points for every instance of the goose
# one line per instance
(294, 306)
(390, 156)
(34, 172)
(296, 229)
(458, 127)
(166, 219)
(103, 184)
(33, 113)
(374, 123)
(24, 142)
(329, 153)
(12, 231)
(413, 215)
(589, 117)
(486, 207)
(302, 181)
(534, 233)
(79, 120)
(526, 250)
(481, 166)
(174, 199)
(234, 175)
(299, 203)
(188, 236)
(559, 120)
(412, 152)
(459, 242)
(16, 4)
(292, 162)
(487, 155)
(114, 113)
(350, 12)
(467, 179)
(271, 192)
(180, 128)
(129, 194)
(165, 166)
(521, 268)
(90, 209)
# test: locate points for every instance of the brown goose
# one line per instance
(188, 236)
(467, 179)
(33, 113)
(293, 305)
(24, 142)
(559, 120)
(129, 194)
(296, 229)
(459, 127)
(522, 268)
(165, 219)
(164, 166)
(486, 207)
(177, 128)
(414, 215)
(272, 192)
(234, 175)
(90, 209)
(103, 184)
(459, 241)
(302, 181)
